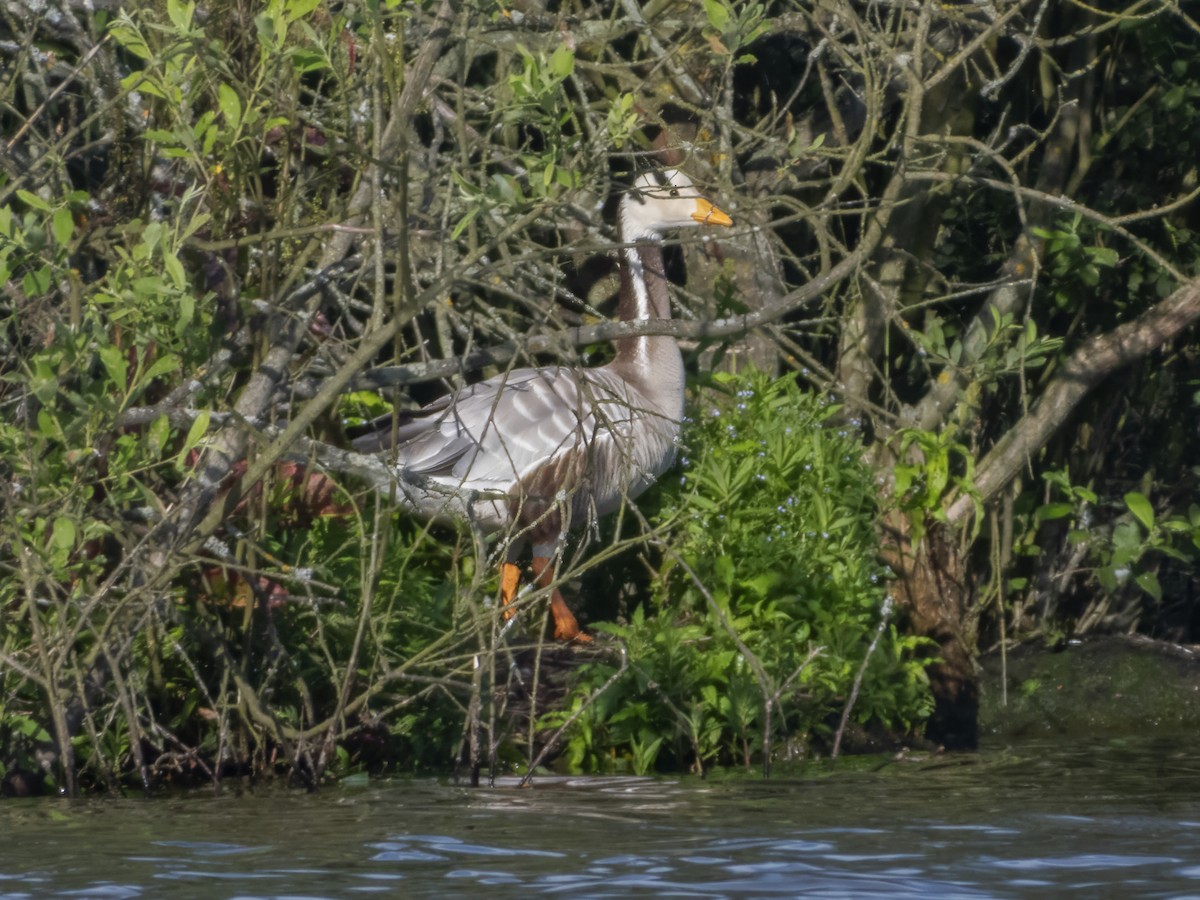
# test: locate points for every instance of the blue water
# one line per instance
(1117, 819)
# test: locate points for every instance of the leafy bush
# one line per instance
(769, 590)
(123, 334)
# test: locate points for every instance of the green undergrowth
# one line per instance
(766, 602)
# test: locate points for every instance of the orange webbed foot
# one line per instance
(569, 636)
(566, 627)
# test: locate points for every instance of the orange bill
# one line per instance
(707, 214)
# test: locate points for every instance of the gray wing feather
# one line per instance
(492, 435)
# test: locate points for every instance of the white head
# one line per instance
(663, 199)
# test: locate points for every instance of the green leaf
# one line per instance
(33, 200)
(151, 235)
(195, 433)
(131, 39)
(1174, 97)
(162, 366)
(1051, 511)
(115, 365)
(209, 140)
(174, 268)
(62, 535)
(158, 434)
(1126, 537)
(37, 282)
(297, 9)
(266, 24)
(937, 470)
(761, 585)
(562, 63)
(724, 569)
(48, 425)
(181, 14)
(464, 222)
(718, 14)
(1148, 582)
(304, 61)
(63, 226)
(1141, 508)
(187, 311)
(231, 105)
(198, 221)
(203, 124)
(31, 729)
(160, 136)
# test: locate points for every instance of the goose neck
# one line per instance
(651, 362)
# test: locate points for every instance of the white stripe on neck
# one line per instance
(637, 278)
(641, 302)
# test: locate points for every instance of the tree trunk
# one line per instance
(931, 586)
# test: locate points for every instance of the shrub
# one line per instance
(769, 590)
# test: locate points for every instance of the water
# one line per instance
(1116, 819)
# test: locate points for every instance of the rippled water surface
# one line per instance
(1120, 819)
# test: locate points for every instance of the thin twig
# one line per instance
(884, 615)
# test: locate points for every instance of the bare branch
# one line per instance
(1095, 360)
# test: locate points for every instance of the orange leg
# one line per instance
(510, 577)
(566, 628)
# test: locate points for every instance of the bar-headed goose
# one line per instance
(537, 452)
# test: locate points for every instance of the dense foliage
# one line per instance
(229, 230)
(770, 601)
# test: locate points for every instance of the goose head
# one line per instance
(665, 199)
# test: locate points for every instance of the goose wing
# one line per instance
(489, 436)
(493, 435)
(541, 431)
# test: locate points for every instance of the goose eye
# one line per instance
(674, 192)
